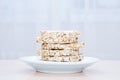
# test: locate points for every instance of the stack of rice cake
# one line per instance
(60, 46)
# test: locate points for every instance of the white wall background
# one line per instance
(98, 20)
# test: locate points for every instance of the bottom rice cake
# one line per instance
(71, 58)
(58, 52)
(58, 46)
(60, 55)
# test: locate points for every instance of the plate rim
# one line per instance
(59, 63)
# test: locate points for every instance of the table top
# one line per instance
(17, 70)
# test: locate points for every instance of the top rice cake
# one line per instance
(59, 37)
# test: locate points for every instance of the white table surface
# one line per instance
(17, 70)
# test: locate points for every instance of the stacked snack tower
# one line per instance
(60, 46)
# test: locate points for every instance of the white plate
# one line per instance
(58, 67)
